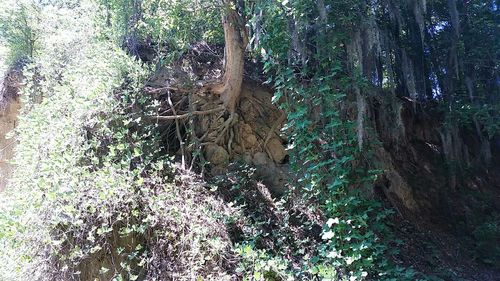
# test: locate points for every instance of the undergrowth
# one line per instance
(95, 196)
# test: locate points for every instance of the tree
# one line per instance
(19, 28)
(236, 40)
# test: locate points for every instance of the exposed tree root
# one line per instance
(272, 132)
(273, 128)
(226, 126)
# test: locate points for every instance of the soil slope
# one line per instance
(9, 110)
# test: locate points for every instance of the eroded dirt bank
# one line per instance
(9, 110)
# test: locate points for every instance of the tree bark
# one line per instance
(236, 40)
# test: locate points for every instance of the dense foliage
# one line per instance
(20, 29)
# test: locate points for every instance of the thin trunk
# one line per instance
(108, 13)
(452, 6)
(132, 39)
(320, 4)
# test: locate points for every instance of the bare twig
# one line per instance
(175, 105)
(186, 115)
(8, 145)
(153, 90)
(178, 131)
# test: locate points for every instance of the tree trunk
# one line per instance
(131, 35)
(236, 41)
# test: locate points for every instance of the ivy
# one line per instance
(323, 146)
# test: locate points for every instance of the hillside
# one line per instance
(250, 140)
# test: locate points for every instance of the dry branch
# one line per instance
(186, 115)
(153, 90)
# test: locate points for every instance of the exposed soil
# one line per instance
(438, 213)
(9, 110)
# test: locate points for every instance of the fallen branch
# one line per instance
(201, 86)
(153, 90)
(186, 115)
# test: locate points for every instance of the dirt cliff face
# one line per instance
(420, 177)
(9, 109)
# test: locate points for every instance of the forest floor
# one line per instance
(438, 253)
